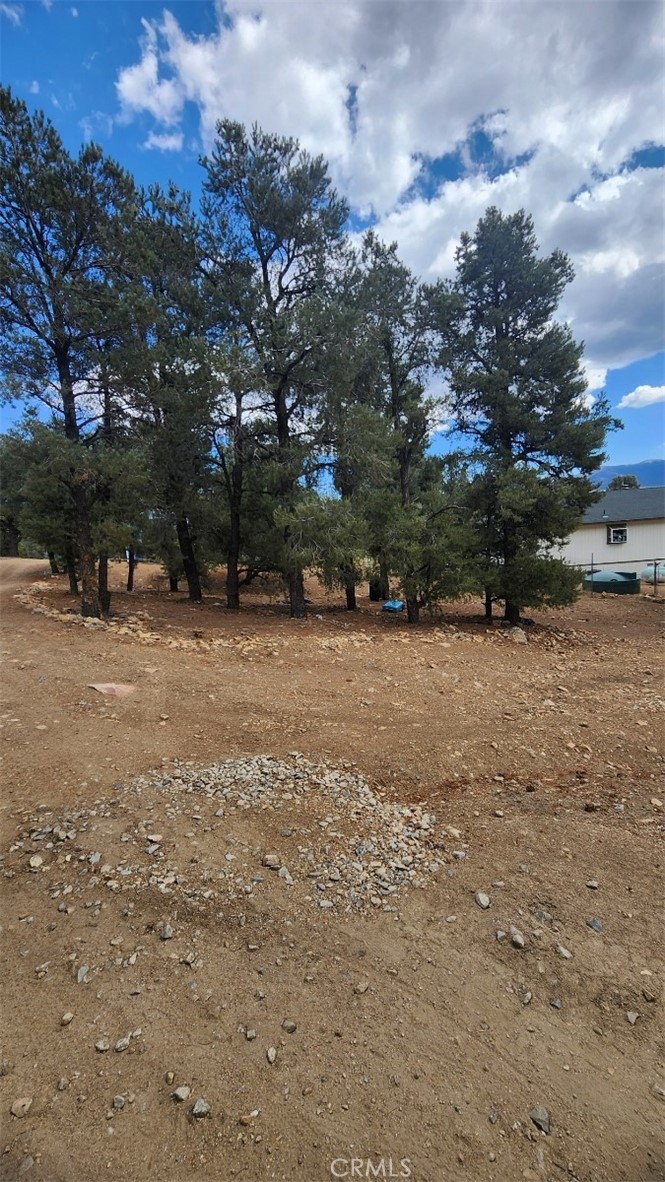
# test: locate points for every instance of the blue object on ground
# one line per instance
(393, 605)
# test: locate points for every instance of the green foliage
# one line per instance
(244, 384)
(518, 392)
(620, 482)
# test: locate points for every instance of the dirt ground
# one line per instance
(423, 1042)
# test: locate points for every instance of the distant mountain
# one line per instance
(649, 473)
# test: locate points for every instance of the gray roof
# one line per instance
(627, 504)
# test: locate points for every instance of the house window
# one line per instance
(616, 534)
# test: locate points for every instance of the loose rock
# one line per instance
(540, 1117)
(21, 1107)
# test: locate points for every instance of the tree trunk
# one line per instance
(510, 551)
(90, 603)
(232, 557)
(189, 559)
(412, 611)
(103, 583)
(384, 581)
(70, 567)
(351, 604)
(297, 605)
(173, 582)
(512, 613)
(488, 604)
(131, 564)
(10, 536)
(374, 590)
(53, 563)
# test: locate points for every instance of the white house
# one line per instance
(623, 531)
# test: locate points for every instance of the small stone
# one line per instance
(201, 1108)
(102, 1045)
(564, 952)
(271, 1054)
(27, 1164)
(527, 998)
(556, 1003)
(517, 938)
(648, 995)
(250, 1035)
(22, 1106)
(82, 974)
(182, 1094)
(595, 925)
(272, 861)
(632, 1016)
(66, 1019)
(362, 986)
(289, 1025)
(63, 1084)
(123, 1043)
(658, 1091)
(482, 899)
(500, 935)
(36, 861)
(169, 1077)
(540, 1117)
(166, 932)
(118, 1103)
(593, 884)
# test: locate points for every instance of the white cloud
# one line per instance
(34, 87)
(13, 12)
(141, 89)
(596, 376)
(97, 123)
(74, 11)
(47, 4)
(565, 98)
(643, 396)
(167, 142)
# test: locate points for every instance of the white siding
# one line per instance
(645, 543)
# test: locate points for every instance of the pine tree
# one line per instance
(518, 393)
(165, 371)
(62, 224)
(276, 239)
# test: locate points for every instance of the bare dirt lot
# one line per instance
(296, 938)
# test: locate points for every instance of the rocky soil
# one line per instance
(310, 895)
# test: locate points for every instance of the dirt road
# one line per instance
(533, 769)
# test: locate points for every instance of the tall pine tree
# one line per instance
(62, 226)
(517, 391)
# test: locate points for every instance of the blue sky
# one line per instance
(427, 111)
